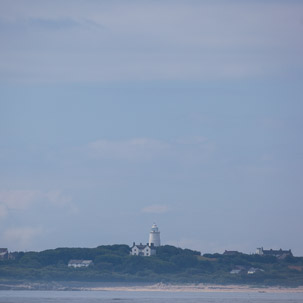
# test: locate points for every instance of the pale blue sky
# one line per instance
(118, 114)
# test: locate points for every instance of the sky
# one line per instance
(115, 115)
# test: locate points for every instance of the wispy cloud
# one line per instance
(21, 237)
(144, 149)
(20, 200)
(155, 209)
(198, 40)
(133, 149)
(52, 24)
(58, 198)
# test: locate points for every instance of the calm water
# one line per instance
(144, 297)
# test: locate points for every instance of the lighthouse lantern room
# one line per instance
(154, 236)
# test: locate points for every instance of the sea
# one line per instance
(13, 296)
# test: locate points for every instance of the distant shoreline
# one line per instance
(158, 287)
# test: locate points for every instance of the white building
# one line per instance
(143, 250)
(253, 270)
(154, 236)
(80, 263)
(150, 248)
(235, 271)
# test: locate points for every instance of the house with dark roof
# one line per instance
(281, 254)
(231, 253)
(143, 250)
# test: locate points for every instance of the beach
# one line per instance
(156, 287)
(199, 288)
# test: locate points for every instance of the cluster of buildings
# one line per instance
(136, 250)
(242, 269)
(279, 253)
(150, 248)
(80, 263)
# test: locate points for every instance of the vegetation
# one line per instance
(171, 264)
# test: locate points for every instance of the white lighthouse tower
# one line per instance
(154, 236)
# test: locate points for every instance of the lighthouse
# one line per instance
(154, 236)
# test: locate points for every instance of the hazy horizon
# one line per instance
(118, 114)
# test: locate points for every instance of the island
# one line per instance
(169, 264)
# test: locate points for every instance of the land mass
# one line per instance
(170, 265)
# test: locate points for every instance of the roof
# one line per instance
(142, 246)
(2, 250)
(80, 262)
(235, 271)
(231, 252)
(253, 270)
(276, 252)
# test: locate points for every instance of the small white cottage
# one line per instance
(80, 263)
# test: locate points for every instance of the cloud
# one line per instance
(192, 40)
(133, 149)
(52, 24)
(20, 200)
(21, 237)
(59, 199)
(146, 149)
(155, 209)
(56, 197)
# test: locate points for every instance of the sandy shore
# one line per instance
(199, 288)
(158, 287)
